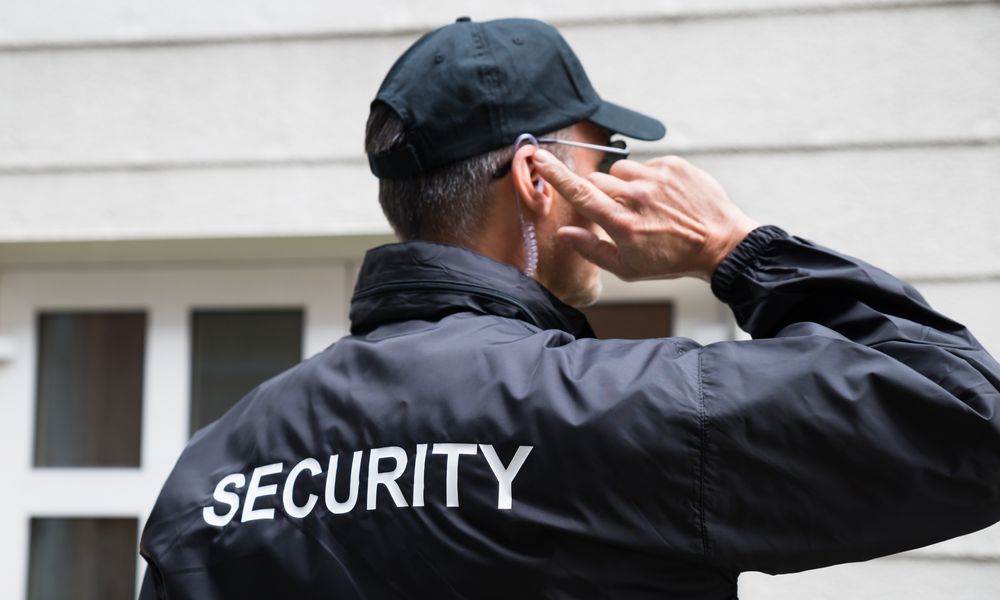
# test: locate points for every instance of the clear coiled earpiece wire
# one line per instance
(527, 227)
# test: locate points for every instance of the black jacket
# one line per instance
(486, 446)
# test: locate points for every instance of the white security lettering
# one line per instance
(237, 480)
(451, 482)
(335, 507)
(255, 490)
(227, 489)
(388, 479)
(287, 494)
(505, 475)
(418, 475)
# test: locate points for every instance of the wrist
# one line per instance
(737, 233)
(728, 280)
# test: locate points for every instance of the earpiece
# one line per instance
(530, 247)
(527, 138)
(528, 236)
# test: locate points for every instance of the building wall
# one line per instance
(872, 126)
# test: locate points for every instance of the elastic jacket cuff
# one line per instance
(743, 257)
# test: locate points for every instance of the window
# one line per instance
(232, 351)
(89, 391)
(98, 375)
(82, 559)
(631, 320)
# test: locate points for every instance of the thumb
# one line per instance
(601, 252)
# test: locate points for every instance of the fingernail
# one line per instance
(543, 156)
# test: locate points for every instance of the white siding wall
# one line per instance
(872, 126)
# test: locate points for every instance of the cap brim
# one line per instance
(627, 122)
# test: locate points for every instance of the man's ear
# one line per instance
(535, 194)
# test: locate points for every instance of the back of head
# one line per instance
(443, 121)
(447, 204)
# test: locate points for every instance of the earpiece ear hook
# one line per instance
(527, 138)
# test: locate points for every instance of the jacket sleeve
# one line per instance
(858, 422)
(150, 590)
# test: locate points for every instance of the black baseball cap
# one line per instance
(470, 87)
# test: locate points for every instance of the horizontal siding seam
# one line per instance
(408, 32)
(359, 160)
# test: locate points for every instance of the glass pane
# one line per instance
(89, 392)
(235, 350)
(631, 321)
(82, 559)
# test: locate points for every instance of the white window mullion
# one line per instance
(167, 382)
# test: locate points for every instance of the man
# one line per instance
(470, 438)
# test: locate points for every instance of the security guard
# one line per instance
(471, 438)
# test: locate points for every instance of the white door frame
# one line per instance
(167, 294)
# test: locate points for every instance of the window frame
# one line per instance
(167, 293)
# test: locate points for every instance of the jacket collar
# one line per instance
(427, 280)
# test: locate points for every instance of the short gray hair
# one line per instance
(448, 204)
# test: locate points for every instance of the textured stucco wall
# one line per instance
(870, 126)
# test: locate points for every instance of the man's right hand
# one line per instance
(666, 218)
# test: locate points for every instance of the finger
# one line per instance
(666, 163)
(629, 170)
(609, 184)
(601, 252)
(585, 197)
